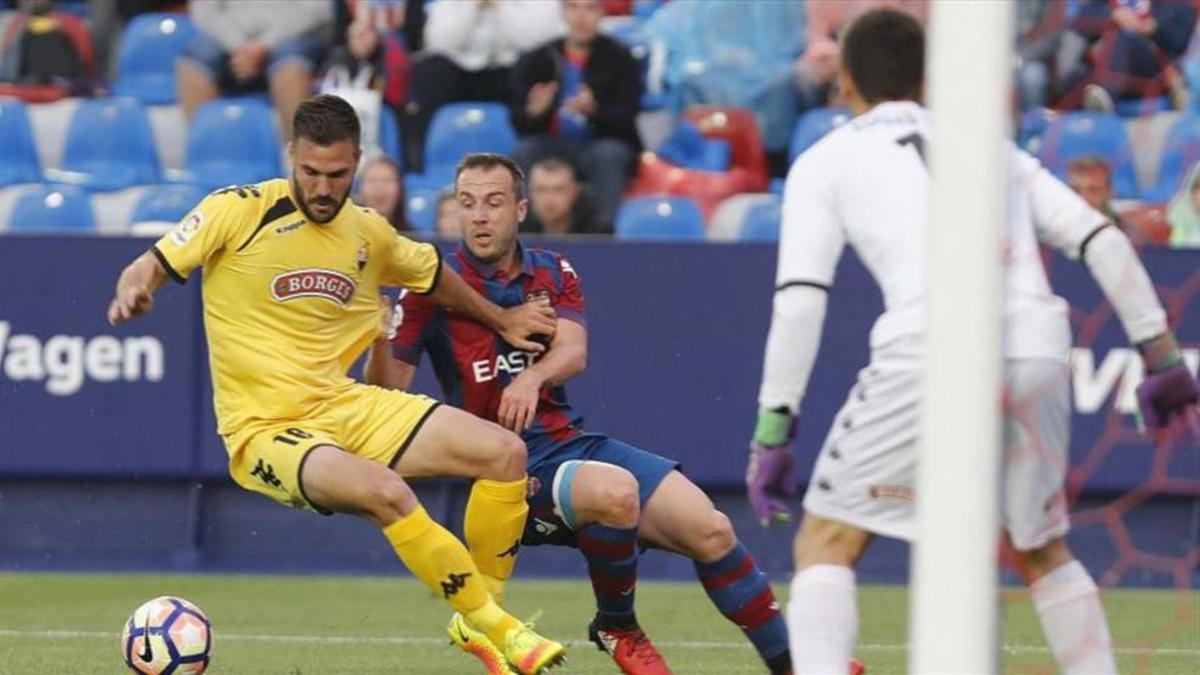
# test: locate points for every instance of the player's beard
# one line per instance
(303, 199)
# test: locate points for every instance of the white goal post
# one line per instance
(954, 625)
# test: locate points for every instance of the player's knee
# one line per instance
(389, 499)
(715, 537)
(827, 542)
(509, 456)
(1040, 561)
(620, 501)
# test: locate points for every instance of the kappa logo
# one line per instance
(266, 473)
(454, 583)
(511, 551)
(283, 229)
(313, 283)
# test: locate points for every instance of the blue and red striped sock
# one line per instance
(742, 593)
(611, 554)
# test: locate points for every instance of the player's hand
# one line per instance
(390, 316)
(129, 302)
(520, 324)
(770, 472)
(1169, 391)
(540, 98)
(518, 403)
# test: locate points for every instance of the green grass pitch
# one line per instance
(268, 625)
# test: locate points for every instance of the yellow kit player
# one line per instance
(292, 272)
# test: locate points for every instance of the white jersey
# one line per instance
(865, 184)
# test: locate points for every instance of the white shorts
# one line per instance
(866, 471)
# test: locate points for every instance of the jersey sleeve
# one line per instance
(1062, 218)
(213, 225)
(413, 265)
(569, 303)
(413, 315)
(810, 235)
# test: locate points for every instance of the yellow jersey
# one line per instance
(289, 304)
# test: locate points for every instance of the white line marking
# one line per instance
(685, 644)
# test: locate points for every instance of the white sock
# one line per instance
(1072, 617)
(822, 617)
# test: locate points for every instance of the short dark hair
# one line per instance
(552, 163)
(326, 119)
(488, 160)
(884, 52)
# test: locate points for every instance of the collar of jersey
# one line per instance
(488, 270)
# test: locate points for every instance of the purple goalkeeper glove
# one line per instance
(1168, 389)
(770, 473)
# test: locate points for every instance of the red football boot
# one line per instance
(630, 648)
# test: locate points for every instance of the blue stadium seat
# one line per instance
(460, 128)
(420, 209)
(18, 155)
(813, 125)
(660, 217)
(389, 136)
(109, 146)
(1075, 134)
(167, 203)
(1180, 152)
(762, 221)
(146, 62)
(52, 208)
(1032, 126)
(232, 141)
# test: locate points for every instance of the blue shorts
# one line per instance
(549, 477)
(204, 52)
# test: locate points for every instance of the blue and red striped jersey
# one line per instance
(472, 363)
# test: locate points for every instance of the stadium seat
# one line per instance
(1032, 126)
(762, 221)
(1180, 152)
(146, 62)
(1075, 134)
(389, 137)
(166, 203)
(420, 209)
(18, 156)
(740, 129)
(813, 125)
(725, 224)
(109, 146)
(656, 176)
(232, 141)
(52, 208)
(460, 128)
(660, 217)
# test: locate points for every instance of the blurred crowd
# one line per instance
(584, 82)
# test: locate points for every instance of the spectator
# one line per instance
(557, 203)
(1090, 177)
(1183, 212)
(735, 53)
(577, 98)
(44, 48)
(816, 69)
(252, 45)
(381, 187)
(374, 55)
(1133, 46)
(447, 225)
(470, 48)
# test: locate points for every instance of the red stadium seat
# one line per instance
(707, 188)
(738, 127)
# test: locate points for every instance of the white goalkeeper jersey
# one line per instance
(865, 184)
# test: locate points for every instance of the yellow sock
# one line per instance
(492, 527)
(438, 559)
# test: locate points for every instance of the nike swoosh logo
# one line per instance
(146, 654)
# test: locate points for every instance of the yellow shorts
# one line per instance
(370, 422)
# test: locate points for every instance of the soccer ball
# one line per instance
(167, 636)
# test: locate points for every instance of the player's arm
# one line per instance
(387, 371)
(136, 286)
(1065, 220)
(810, 243)
(515, 324)
(566, 358)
